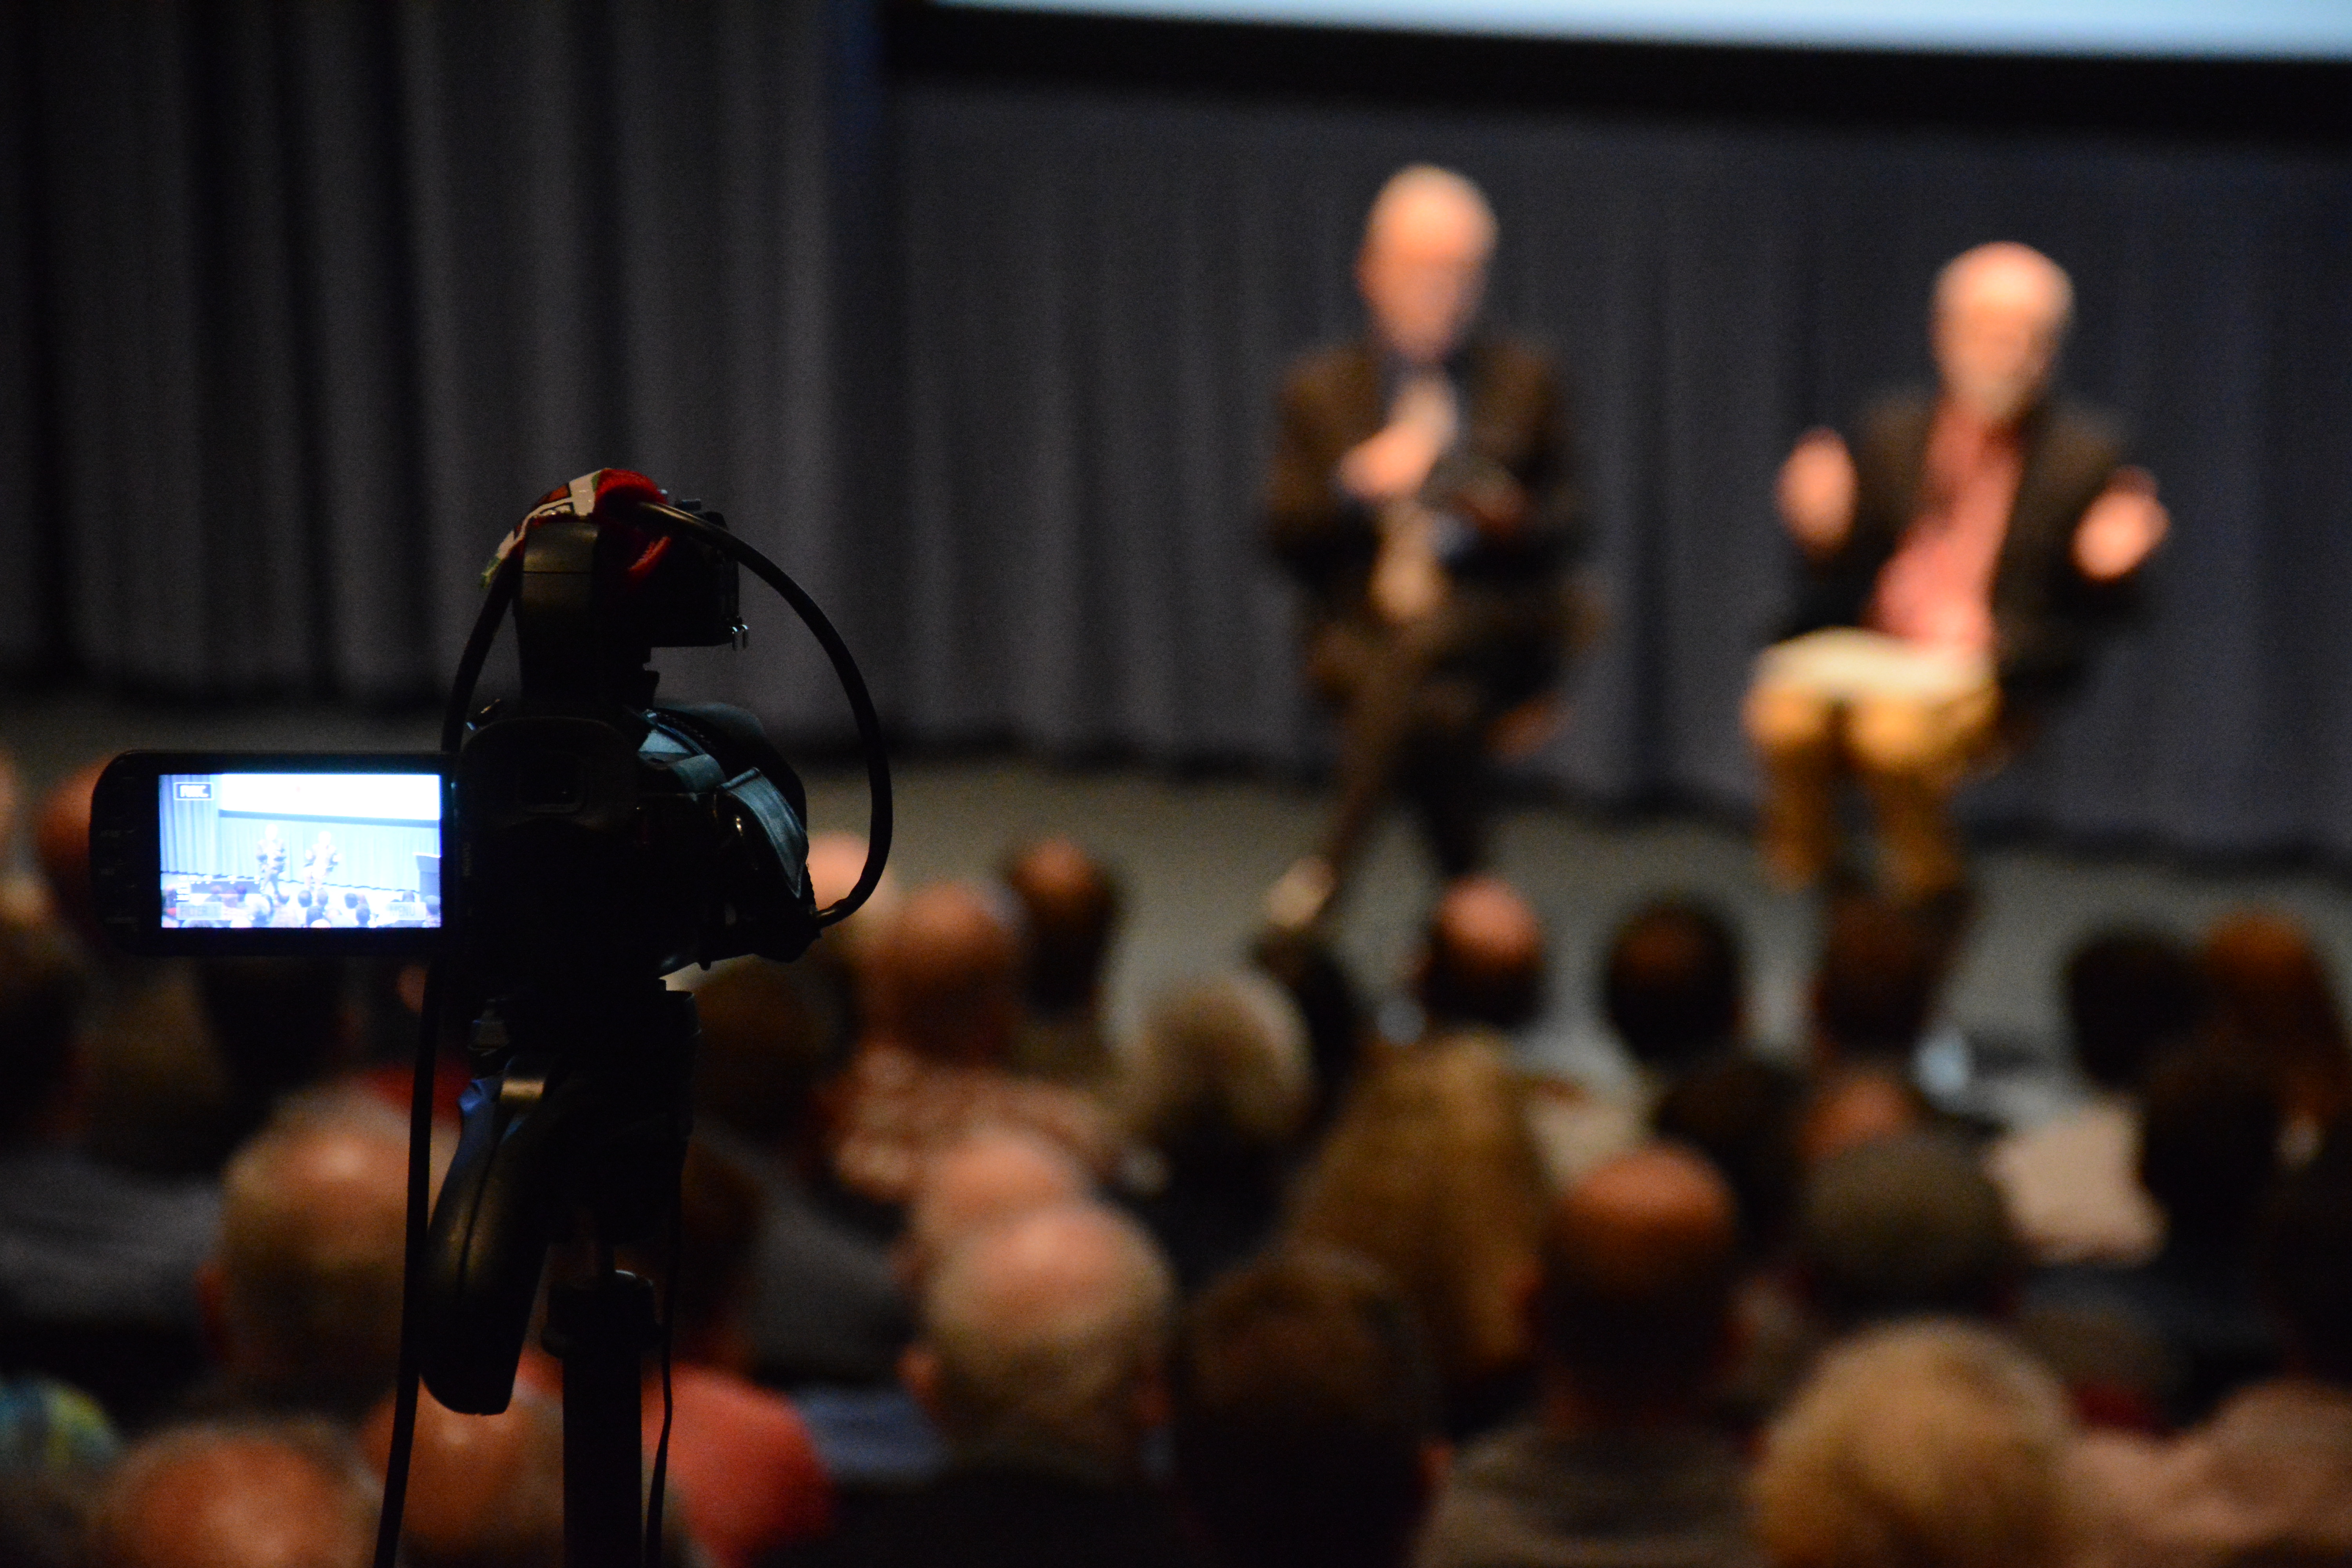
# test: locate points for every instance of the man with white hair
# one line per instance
(1960, 552)
(1420, 496)
(880, 1436)
(1934, 1444)
(303, 1296)
(1040, 1360)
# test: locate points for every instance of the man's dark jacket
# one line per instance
(1514, 422)
(2045, 612)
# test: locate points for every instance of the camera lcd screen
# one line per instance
(299, 851)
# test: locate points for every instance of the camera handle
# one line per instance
(588, 1140)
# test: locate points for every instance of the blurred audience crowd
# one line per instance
(1305, 1267)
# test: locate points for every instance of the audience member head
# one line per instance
(484, 1491)
(2209, 1149)
(2274, 1005)
(993, 1176)
(61, 845)
(1930, 1445)
(946, 977)
(1072, 906)
(770, 1036)
(835, 862)
(276, 1495)
(1674, 985)
(279, 1025)
(1741, 1114)
(2130, 994)
(40, 999)
(2000, 312)
(305, 1291)
(1043, 1341)
(1304, 1415)
(1430, 1175)
(1906, 1226)
(1637, 1274)
(1483, 959)
(1422, 270)
(1854, 1105)
(1875, 986)
(1219, 1072)
(2304, 1259)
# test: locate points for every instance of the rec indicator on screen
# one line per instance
(294, 851)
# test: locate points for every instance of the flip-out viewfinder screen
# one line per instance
(288, 851)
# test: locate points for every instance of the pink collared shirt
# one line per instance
(1937, 589)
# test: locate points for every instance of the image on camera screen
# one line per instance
(288, 851)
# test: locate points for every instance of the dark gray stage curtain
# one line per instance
(306, 302)
(301, 303)
(1101, 294)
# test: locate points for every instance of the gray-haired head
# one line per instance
(1905, 1225)
(1220, 1062)
(1933, 1445)
(1043, 1338)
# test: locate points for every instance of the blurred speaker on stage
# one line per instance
(1422, 496)
(1962, 553)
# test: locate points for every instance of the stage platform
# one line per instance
(1197, 853)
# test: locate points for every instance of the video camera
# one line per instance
(556, 858)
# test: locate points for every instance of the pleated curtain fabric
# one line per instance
(301, 304)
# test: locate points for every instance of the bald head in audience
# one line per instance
(945, 977)
(484, 1491)
(1638, 1268)
(835, 862)
(1043, 1341)
(1856, 1106)
(993, 1176)
(1482, 961)
(1072, 906)
(304, 1294)
(284, 1495)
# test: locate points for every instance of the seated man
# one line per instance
(1959, 553)
(1618, 1464)
(274, 1495)
(1070, 909)
(943, 1009)
(1419, 494)
(304, 1296)
(2130, 994)
(1933, 1442)
(2269, 1478)
(97, 1264)
(1040, 1359)
(1305, 1427)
